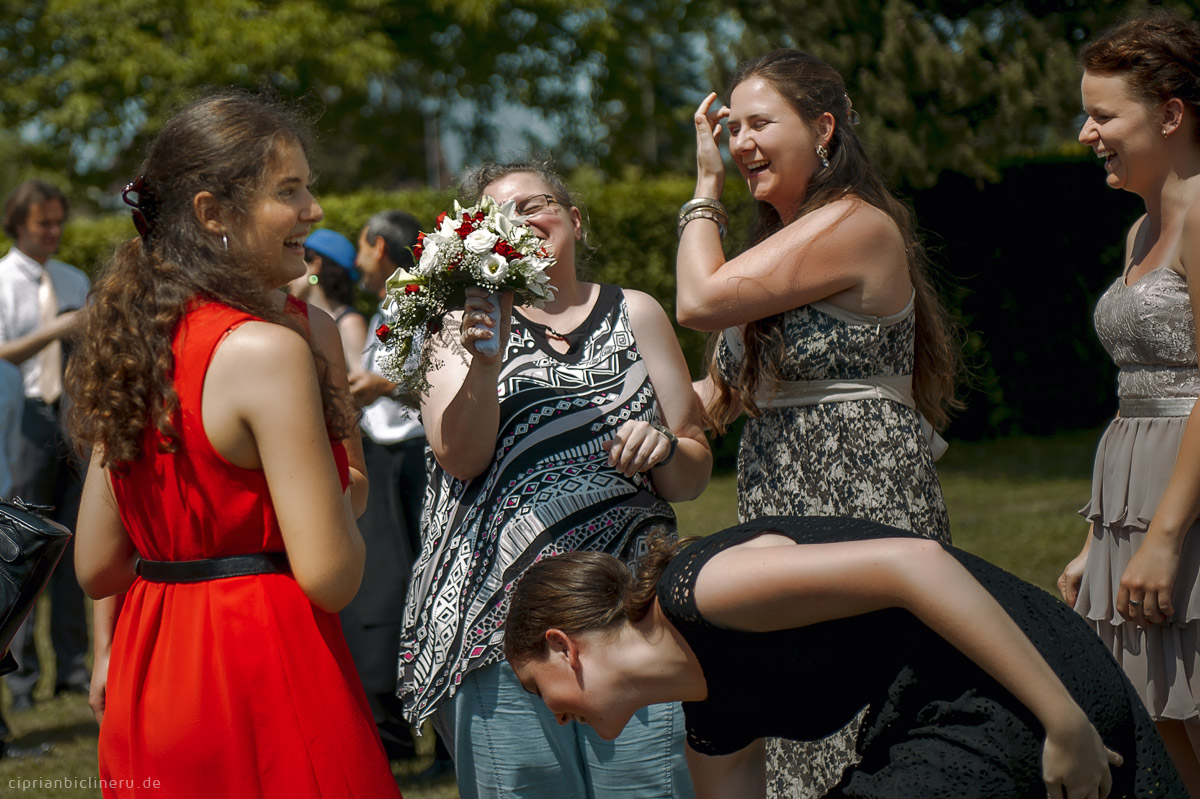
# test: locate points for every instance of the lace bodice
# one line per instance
(1149, 331)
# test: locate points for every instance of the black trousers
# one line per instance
(391, 530)
(49, 473)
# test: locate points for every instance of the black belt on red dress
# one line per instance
(195, 571)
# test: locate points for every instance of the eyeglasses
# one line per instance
(536, 204)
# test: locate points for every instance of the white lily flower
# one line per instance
(493, 267)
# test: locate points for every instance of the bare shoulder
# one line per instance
(1189, 249)
(852, 239)
(643, 307)
(351, 321)
(257, 347)
(1191, 228)
(853, 221)
(322, 327)
(1131, 237)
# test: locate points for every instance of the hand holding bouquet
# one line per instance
(487, 245)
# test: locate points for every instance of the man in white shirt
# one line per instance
(39, 297)
(394, 447)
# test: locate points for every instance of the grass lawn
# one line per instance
(1011, 501)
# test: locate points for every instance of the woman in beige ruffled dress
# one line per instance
(1137, 579)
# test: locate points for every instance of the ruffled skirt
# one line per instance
(1133, 465)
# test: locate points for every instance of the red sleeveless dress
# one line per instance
(238, 687)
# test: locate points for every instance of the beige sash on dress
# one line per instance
(797, 393)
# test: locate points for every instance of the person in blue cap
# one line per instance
(329, 285)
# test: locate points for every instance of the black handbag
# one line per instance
(30, 548)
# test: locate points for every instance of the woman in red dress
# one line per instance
(216, 501)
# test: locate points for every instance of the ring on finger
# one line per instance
(1133, 603)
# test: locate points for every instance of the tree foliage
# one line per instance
(940, 86)
(86, 83)
(946, 86)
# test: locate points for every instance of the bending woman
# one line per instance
(1137, 580)
(979, 684)
(573, 437)
(217, 501)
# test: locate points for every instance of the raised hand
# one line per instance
(710, 166)
(480, 323)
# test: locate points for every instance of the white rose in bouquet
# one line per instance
(480, 241)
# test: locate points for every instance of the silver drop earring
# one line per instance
(225, 240)
(823, 154)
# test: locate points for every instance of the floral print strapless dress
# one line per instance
(862, 458)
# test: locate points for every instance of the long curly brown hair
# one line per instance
(122, 370)
(813, 88)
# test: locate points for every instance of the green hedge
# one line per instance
(631, 225)
(1019, 262)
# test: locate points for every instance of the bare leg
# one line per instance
(1183, 744)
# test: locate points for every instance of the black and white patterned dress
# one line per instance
(863, 458)
(548, 490)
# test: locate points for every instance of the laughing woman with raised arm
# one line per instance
(979, 685)
(827, 331)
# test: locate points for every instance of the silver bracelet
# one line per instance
(671, 437)
(703, 202)
(703, 213)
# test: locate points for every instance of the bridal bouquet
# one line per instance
(487, 245)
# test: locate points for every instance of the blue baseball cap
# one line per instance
(336, 247)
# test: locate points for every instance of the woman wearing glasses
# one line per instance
(573, 437)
